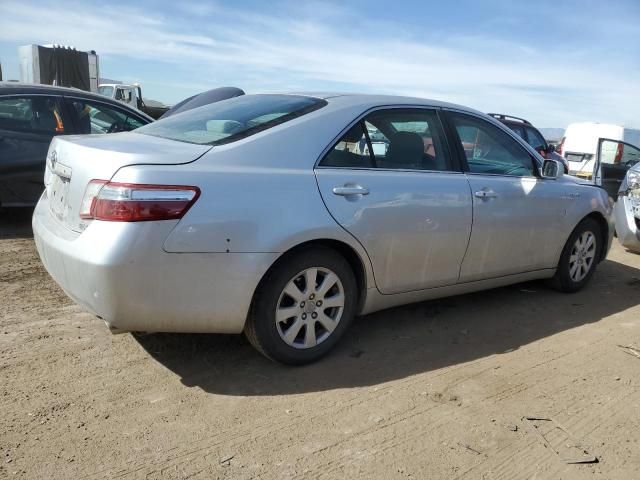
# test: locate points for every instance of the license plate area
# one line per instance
(58, 196)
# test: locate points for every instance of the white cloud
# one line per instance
(334, 50)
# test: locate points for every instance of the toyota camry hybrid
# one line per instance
(278, 216)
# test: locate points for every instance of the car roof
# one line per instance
(373, 100)
(17, 88)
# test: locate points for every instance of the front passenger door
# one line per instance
(516, 214)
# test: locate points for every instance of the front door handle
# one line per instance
(351, 190)
(486, 194)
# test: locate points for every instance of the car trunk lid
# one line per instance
(73, 161)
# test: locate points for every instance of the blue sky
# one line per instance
(553, 62)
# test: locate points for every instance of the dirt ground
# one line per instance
(433, 390)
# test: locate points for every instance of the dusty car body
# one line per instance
(250, 213)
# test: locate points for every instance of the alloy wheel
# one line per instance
(310, 307)
(582, 256)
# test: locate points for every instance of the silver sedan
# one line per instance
(284, 216)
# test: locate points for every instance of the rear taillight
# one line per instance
(560, 146)
(127, 202)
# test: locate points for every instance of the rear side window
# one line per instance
(408, 139)
(351, 151)
(232, 119)
(38, 114)
(393, 139)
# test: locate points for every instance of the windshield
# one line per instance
(106, 91)
(232, 119)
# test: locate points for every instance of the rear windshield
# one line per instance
(232, 119)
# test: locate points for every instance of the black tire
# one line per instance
(261, 328)
(562, 280)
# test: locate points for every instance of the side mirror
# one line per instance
(552, 169)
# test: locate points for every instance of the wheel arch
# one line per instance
(604, 231)
(352, 257)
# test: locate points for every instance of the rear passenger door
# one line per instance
(27, 125)
(391, 182)
(516, 214)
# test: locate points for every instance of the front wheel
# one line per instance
(303, 306)
(579, 257)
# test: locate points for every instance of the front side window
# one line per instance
(232, 119)
(398, 139)
(38, 114)
(489, 150)
(96, 117)
(106, 90)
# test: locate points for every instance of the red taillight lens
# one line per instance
(126, 202)
(560, 146)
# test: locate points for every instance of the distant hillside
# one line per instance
(552, 134)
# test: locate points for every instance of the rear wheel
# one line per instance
(303, 306)
(579, 257)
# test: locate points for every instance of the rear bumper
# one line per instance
(627, 224)
(119, 272)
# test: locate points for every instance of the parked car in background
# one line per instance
(580, 142)
(627, 207)
(31, 115)
(262, 214)
(532, 136)
(204, 98)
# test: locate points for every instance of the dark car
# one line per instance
(532, 136)
(31, 115)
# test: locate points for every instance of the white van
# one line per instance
(580, 142)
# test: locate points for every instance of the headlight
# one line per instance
(631, 182)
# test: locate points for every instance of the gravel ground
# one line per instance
(432, 390)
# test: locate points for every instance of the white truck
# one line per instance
(580, 142)
(132, 95)
(601, 153)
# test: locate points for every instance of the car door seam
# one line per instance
(373, 274)
(473, 212)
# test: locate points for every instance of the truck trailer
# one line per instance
(59, 65)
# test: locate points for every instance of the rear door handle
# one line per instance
(486, 194)
(346, 191)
